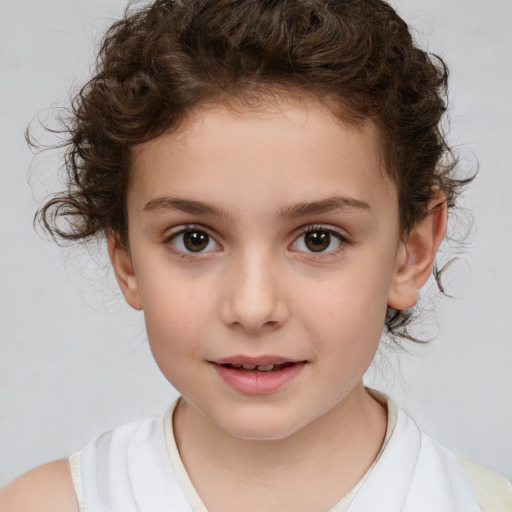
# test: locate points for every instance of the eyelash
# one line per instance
(189, 228)
(317, 228)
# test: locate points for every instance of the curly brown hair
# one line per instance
(160, 62)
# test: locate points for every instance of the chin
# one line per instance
(259, 429)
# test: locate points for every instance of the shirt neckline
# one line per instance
(341, 506)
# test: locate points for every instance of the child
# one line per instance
(273, 184)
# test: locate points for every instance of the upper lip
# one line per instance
(256, 360)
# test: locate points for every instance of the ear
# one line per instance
(416, 255)
(124, 272)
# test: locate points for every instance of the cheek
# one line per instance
(345, 316)
(348, 303)
(173, 328)
(176, 311)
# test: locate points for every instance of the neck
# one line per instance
(343, 442)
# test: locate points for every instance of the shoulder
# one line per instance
(494, 491)
(47, 488)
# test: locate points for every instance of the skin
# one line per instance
(252, 183)
(47, 488)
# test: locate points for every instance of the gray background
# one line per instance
(73, 359)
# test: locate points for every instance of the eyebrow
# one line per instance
(173, 204)
(323, 206)
(176, 204)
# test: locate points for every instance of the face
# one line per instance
(263, 249)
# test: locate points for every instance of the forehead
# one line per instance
(272, 155)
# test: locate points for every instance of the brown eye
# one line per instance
(317, 241)
(193, 240)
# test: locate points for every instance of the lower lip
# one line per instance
(258, 383)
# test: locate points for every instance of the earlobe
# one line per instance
(416, 255)
(124, 272)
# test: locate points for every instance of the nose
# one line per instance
(253, 298)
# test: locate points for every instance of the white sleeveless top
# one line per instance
(137, 468)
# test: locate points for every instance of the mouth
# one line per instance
(258, 375)
(265, 368)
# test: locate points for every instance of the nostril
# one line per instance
(252, 302)
(255, 328)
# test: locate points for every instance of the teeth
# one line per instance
(265, 367)
(259, 367)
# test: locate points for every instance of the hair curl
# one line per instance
(160, 62)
